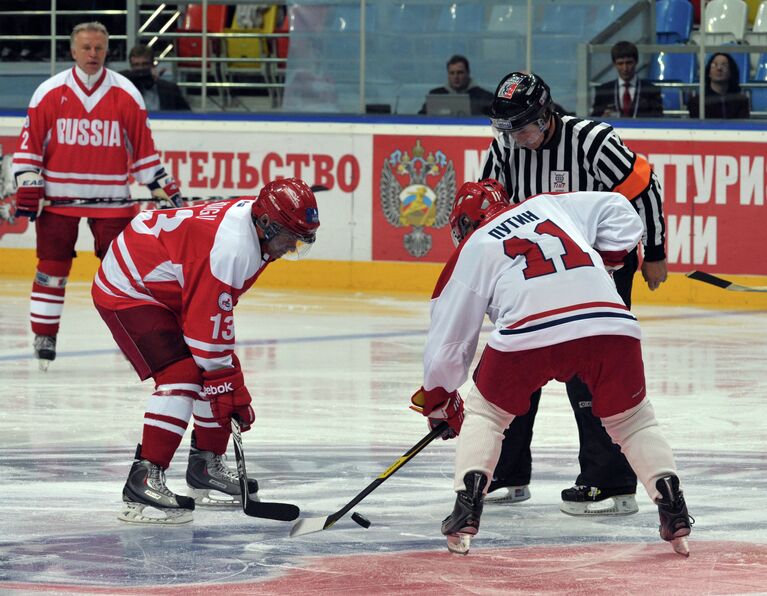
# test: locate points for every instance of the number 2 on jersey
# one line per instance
(536, 262)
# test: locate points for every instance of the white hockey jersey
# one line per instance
(86, 142)
(536, 271)
(195, 262)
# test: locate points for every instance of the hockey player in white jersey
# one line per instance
(167, 289)
(540, 271)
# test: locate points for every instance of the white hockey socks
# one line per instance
(646, 449)
(479, 444)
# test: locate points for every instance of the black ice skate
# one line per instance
(144, 488)
(675, 522)
(212, 482)
(463, 523)
(45, 350)
(590, 500)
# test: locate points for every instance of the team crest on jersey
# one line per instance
(225, 301)
(417, 190)
(559, 181)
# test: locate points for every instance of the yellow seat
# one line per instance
(251, 47)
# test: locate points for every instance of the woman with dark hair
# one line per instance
(723, 96)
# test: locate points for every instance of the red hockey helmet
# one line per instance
(287, 204)
(474, 203)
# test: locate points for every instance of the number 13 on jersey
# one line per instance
(224, 326)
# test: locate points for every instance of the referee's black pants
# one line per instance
(601, 461)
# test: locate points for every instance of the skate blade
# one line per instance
(216, 499)
(618, 505)
(134, 513)
(681, 546)
(509, 496)
(459, 543)
(43, 365)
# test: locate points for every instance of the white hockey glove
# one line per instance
(165, 189)
(29, 194)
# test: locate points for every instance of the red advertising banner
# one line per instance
(713, 198)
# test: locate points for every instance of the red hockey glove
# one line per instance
(29, 195)
(225, 390)
(165, 189)
(438, 405)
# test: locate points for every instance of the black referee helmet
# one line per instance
(520, 99)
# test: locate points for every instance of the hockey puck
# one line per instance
(361, 520)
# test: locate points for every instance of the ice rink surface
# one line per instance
(331, 375)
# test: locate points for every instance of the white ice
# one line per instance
(331, 375)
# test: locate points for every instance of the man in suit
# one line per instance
(459, 81)
(158, 93)
(628, 96)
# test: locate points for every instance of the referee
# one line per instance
(537, 150)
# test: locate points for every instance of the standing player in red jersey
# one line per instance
(85, 133)
(166, 289)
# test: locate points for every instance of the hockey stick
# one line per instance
(277, 511)
(190, 199)
(316, 524)
(723, 283)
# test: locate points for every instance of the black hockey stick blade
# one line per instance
(251, 507)
(310, 525)
(723, 283)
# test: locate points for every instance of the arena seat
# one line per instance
(673, 21)
(191, 47)
(724, 21)
(759, 95)
(672, 68)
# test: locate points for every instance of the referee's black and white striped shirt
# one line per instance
(582, 155)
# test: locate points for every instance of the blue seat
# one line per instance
(673, 21)
(560, 19)
(407, 18)
(458, 18)
(678, 68)
(759, 96)
(346, 18)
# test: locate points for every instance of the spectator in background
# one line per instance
(723, 97)
(158, 93)
(628, 96)
(459, 81)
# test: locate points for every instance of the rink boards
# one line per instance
(390, 185)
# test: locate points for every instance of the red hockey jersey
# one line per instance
(86, 141)
(195, 262)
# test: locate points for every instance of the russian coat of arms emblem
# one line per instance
(417, 190)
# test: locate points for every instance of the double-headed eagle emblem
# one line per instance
(417, 204)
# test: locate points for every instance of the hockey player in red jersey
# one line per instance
(85, 133)
(539, 270)
(167, 289)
